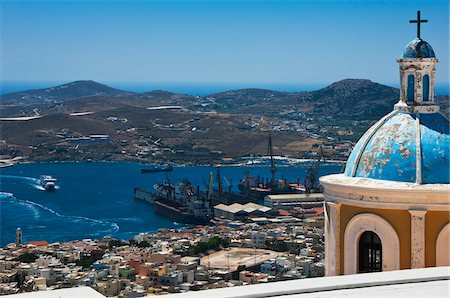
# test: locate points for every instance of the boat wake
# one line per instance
(41, 188)
(36, 208)
(28, 180)
(11, 197)
(4, 195)
(33, 182)
(77, 219)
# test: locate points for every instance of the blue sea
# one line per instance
(96, 199)
(200, 89)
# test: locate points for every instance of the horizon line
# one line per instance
(444, 87)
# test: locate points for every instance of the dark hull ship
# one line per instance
(258, 188)
(182, 203)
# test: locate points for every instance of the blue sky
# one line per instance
(212, 42)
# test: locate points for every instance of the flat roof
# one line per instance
(412, 283)
(235, 256)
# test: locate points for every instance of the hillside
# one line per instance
(194, 129)
(346, 99)
(352, 98)
(60, 93)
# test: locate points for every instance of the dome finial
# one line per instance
(418, 21)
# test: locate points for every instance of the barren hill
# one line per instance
(60, 93)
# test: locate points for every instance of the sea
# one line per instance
(95, 199)
(199, 89)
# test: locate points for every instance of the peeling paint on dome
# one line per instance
(390, 148)
(387, 151)
(435, 142)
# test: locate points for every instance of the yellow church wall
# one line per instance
(434, 222)
(400, 220)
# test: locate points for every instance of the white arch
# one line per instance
(389, 241)
(443, 247)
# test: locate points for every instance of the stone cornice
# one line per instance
(382, 194)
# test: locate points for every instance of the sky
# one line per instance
(246, 43)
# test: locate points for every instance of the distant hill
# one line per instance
(229, 123)
(249, 96)
(167, 97)
(345, 99)
(60, 93)
(354, 97)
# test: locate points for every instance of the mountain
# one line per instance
(167, 97)
(60, 93)
(230, 123)
(346, 99)
(354, 98)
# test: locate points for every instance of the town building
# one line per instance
(289, 201)
(238, 211)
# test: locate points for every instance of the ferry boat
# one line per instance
(48, 182)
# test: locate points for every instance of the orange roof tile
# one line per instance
(38, 243)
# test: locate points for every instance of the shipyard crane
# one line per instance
(219, 184)
(210, 185)
(273, 167)
(313, 171)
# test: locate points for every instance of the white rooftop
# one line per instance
(426, 282)
(236, 207)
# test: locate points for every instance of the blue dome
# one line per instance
(393, 147)
(418, 48)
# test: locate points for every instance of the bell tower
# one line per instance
(390, 210)
(19, 236)
(417, 75)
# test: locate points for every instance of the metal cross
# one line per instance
(418, 21)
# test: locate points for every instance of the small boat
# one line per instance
(48, 182)
(157, 169)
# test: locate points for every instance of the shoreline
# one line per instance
(292, 162)
(134, 167)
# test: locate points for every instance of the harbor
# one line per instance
(186, 203)
(108, 190)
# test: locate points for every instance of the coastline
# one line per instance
(107, 188)
(290, 160)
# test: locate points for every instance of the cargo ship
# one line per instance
(183, 203)
(255, 187)
(143, 195)
(259, 188)
(223, 196)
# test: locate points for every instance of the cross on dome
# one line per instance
(418, 21)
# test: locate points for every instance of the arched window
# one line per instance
(426, 88)
(365, 222)
(410, 90)
(370, 257)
